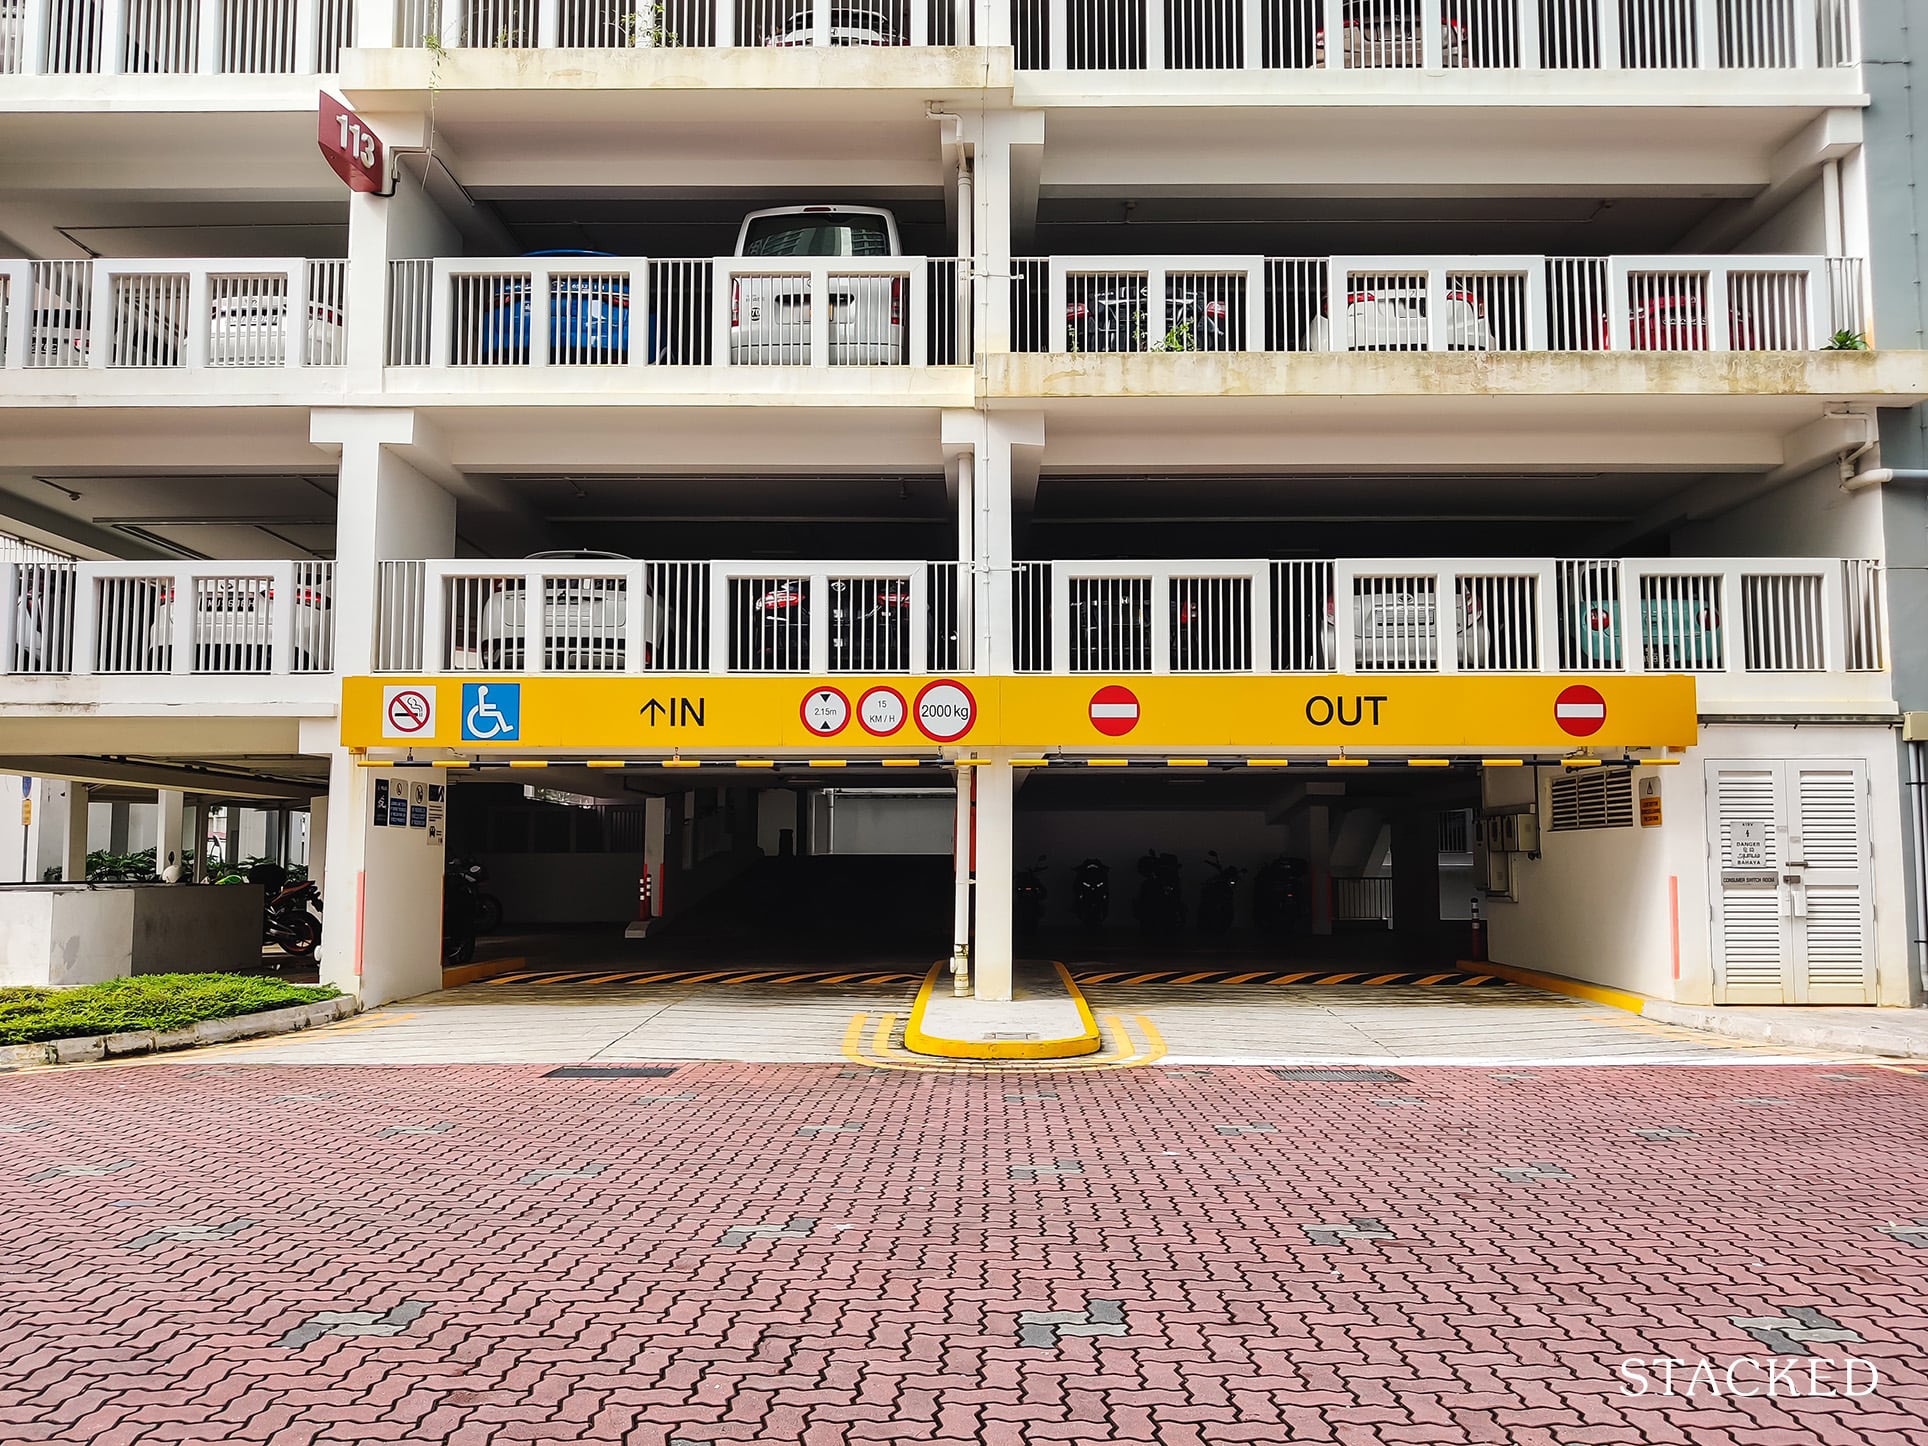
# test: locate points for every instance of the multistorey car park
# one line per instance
(1446, 461)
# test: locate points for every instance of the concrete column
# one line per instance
(119, 816)
(167, 833)
(197, 845)
(1415, 872)
(991, 953)
(655, 837)
(16, 858)
(1318, 852)
(45, 849)
(383, 936)
(385, 508)
(318, 842)
(73, 842)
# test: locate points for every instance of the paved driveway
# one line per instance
(829, 1254)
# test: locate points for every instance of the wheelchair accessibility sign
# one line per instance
(491, 712)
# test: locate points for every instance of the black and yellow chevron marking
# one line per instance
(1442, 978)
(694, 975)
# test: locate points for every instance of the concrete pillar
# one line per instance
(991, 951)
(386, 508)
(655, 840)
(16, 805)
(119, 816)
(318, 842)
(383, 937)
(172, 807)
(1415, 872)
(1318, 852)
(198, 840)
(73, 842)
(45, 848)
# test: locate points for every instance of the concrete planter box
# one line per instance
(207, 1031)
(55, 935)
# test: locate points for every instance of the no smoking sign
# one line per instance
(408, 712)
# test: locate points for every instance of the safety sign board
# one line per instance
(418, 805)
(1747, 844)
(408, 712)
(1580, 710)
(491, 712)
(664, 714)
(825, 711)
(882, 711)
(945, 710)
(1650, 803)
(1114, 710)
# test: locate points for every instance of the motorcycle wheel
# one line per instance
(488, 914)
(300, 934)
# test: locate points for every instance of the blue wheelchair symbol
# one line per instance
(491, 712)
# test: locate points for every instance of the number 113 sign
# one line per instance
(350, 147)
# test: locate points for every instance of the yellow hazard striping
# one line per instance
(1132, 1044)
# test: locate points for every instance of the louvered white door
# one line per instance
(1793, 915)
(1833, 903)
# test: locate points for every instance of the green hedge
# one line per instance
(151, 1001)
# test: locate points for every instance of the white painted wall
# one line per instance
(1799, 228)
(1813, 517)
(397, 874)
(1596, 905)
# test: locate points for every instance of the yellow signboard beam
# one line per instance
(1330, 715)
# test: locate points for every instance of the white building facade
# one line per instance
(1446, 458)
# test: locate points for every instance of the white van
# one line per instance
(770, 315)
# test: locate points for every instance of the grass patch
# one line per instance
(151, 1001)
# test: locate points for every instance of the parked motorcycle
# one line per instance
(1282, 897)
(488, 908)
(1115, 315)
(459, 910)
(1218, 899)
(1091, 893)
(1027, 899)
(292, 918)
(1160, 905)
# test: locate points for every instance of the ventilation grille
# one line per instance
(1598, 798)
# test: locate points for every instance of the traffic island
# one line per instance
(1045, 1018)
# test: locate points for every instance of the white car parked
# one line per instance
(1394, 630)
(849, 25)
(252, 331)
(770, 315)
(1397, 321)
(584, 622)
(232, 627)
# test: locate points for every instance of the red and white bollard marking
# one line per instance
(645, 908)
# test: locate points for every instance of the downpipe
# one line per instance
(1882, 476)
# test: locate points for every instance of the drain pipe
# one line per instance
(953, 135)
(1881, 476)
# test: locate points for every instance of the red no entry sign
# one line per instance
(1114, 710)
(1580, 710)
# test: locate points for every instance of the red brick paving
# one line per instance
(606, 1308)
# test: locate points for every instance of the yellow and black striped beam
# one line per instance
(1276, 974)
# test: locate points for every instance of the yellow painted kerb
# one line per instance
(1557, 984)
(1084, 1042)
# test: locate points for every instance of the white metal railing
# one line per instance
(1366, 899)
(134, 617)
(1432, 35)
(630, 311)
(545, 615)
(1434, 303)
(166, 314)
(628, 24)
(1486, 615)
(174, 37)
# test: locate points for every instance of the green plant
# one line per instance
(1177, 338)
(150, 1001)
(638, 31)
(1846, 341)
